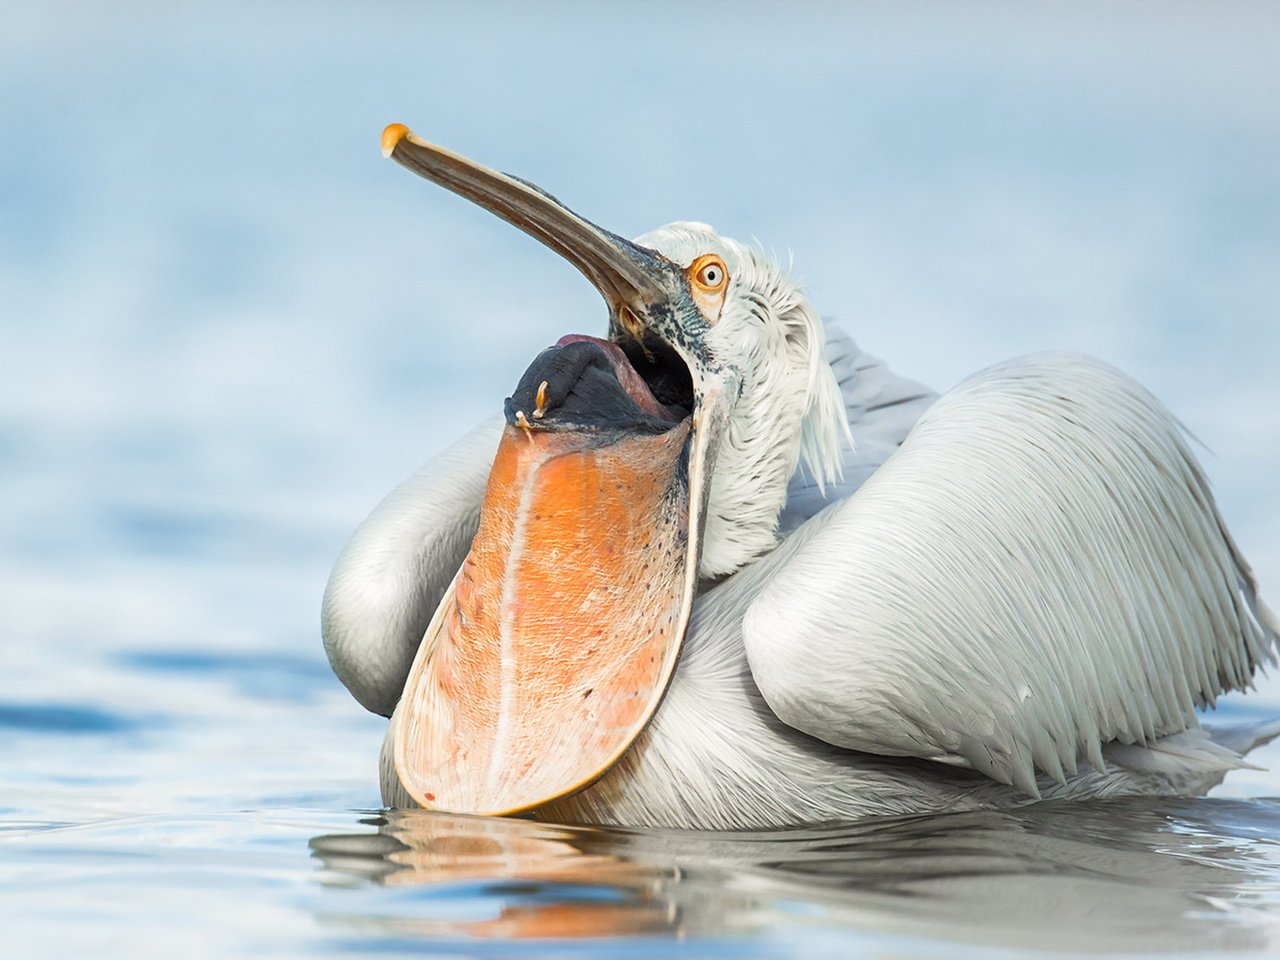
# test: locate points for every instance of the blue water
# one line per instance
(227, 327)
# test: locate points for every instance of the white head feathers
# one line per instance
(789, 408)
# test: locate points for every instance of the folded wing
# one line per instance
(392, 573)
(1039, 570)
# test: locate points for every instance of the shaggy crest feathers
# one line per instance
(790, 409)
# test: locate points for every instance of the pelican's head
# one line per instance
(630, 468)
(787, 406)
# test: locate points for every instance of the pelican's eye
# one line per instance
(708, 281)
(709, 274)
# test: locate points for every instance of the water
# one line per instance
(229, 328)
(1118, 876)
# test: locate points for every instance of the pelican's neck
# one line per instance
(789, 413)
(748, 492)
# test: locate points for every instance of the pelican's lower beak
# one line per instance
(561, 631)
(552, 648)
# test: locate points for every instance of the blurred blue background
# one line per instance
(229, 327)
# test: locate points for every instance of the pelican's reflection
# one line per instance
(545, 880)
(1147, 874)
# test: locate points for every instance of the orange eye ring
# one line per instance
(708, 274)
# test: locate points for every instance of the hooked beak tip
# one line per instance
(391, 137)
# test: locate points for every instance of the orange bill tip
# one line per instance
(391, 137)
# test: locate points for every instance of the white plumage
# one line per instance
(1039, 570)
(1030, 580)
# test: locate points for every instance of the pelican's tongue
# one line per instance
(560, 633)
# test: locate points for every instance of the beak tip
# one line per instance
(391, 137)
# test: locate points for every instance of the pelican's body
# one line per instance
(894, 602)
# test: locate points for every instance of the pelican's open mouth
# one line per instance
(557, 639)
(584, 382)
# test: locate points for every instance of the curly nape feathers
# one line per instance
(790, 409)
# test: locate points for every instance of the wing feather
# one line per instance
(882, 407)
(393, 571)
(1040, 570)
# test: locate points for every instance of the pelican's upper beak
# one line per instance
(554, 645)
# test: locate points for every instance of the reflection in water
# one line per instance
(1146, 874)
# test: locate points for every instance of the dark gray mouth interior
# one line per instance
(588, 384)
(663, 370)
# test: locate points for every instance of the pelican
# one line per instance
(719, 568)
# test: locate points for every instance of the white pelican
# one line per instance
(723, 569)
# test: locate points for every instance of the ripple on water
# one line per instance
(258, 674)
(64, 719)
